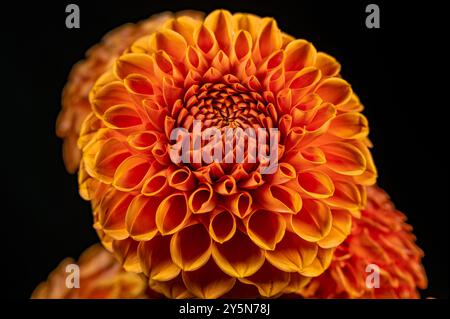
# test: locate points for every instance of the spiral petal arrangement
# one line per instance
(382, 238)
(101, 277)
(198, 229)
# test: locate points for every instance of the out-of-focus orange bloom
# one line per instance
(197, 229)
(381, 237)
(101, 277)
(75, 98)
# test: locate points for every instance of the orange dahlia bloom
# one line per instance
(75, 98)
(202, 229)
(101, 277)
(380, 237)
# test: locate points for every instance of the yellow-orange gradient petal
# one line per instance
(101, 277)
(380, 237)
(259, 230)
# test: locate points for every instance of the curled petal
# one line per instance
(349, 126)
(110, 95)
(315, 184)
(144, 140)
(320, 264)
(238, 257)
(220, 23)
(327, 64)
(126, 253)
(269, 39)
(222, 225)
(113, 209)
(172, 214)
(279, 198)
(122, 117)
(172, 289)
(340, 228)
(299, 54)
(284, 173)
(170, 42)
(203, 199)
(344, 158)
(134, 63)
(346, 196)
(242, 45)
(226, 186)
(253, 181)
(206, 40)
(111, 155)
(156, 185)
(208, 282)
(131, 172)
(140, 218)
(269, 280)
(292, 254)
(182, 179)
(155, 259)
(296, 283)
(265, 228)
(313, 222)
(240, 204)
(139, 85)
(190, 248)
(334, 90)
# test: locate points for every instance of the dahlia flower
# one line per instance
(75, 98)
(381, 237)
(205, 229)
(101, 277)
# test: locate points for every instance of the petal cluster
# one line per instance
(101, 277)
(206, 229)
(383, 238)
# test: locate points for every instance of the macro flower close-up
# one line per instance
(266, 156)
(203, 225)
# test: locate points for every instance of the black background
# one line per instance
(389, 68)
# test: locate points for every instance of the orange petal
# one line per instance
(170, 42)
(242, 45)
(253, 181)
(334, 90)
(284, 173)
(110, 95)
(313, 222)
(144, 140)
(279, 198)
(122, 117)
(157, 185)
(240, 204)
(349, 126)
(226, 185)
(222, 225)
(172, 289)
(182, 179)
(327, 64)
(299, 54)
(172, 214)
(344, 158)
(140, 218)
(292, 254)
(130, 173)
(238, 257)
(320, 264)
(126, 253)
(190, 248)
(220, 23)
(155, 259)
(265, 228)
(269, 280)
(208, 282)
(346, 196)
(269, 39)
(113, 209)
(133, 63)
(315, 184)
(340, 229)
(139, 84)
(203, 199)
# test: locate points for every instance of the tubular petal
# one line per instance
(313, 222)
(140, 218)
(190, 248)
(222, 225)
(202, 200)
(279, 198)
(130, 173)
(265, 228)
(269, 280)
(172, 214)
(155, 259)
(238, 257)
(208, 282)
(292, 254)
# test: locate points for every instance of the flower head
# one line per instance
(200, 228)
(382, 238)
(101, 277)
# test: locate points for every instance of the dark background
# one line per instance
(389, 68)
